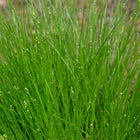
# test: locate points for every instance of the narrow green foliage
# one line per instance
(69, 71)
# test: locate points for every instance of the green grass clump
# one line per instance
(69, 72)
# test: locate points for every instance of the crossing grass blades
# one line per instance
(69, 71)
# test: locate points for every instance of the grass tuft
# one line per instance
(70, 71)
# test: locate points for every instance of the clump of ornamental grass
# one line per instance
(69, 71)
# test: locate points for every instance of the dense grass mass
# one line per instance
(69, 72)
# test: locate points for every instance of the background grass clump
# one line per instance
(70, 71)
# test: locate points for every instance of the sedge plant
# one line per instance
(69, 71)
